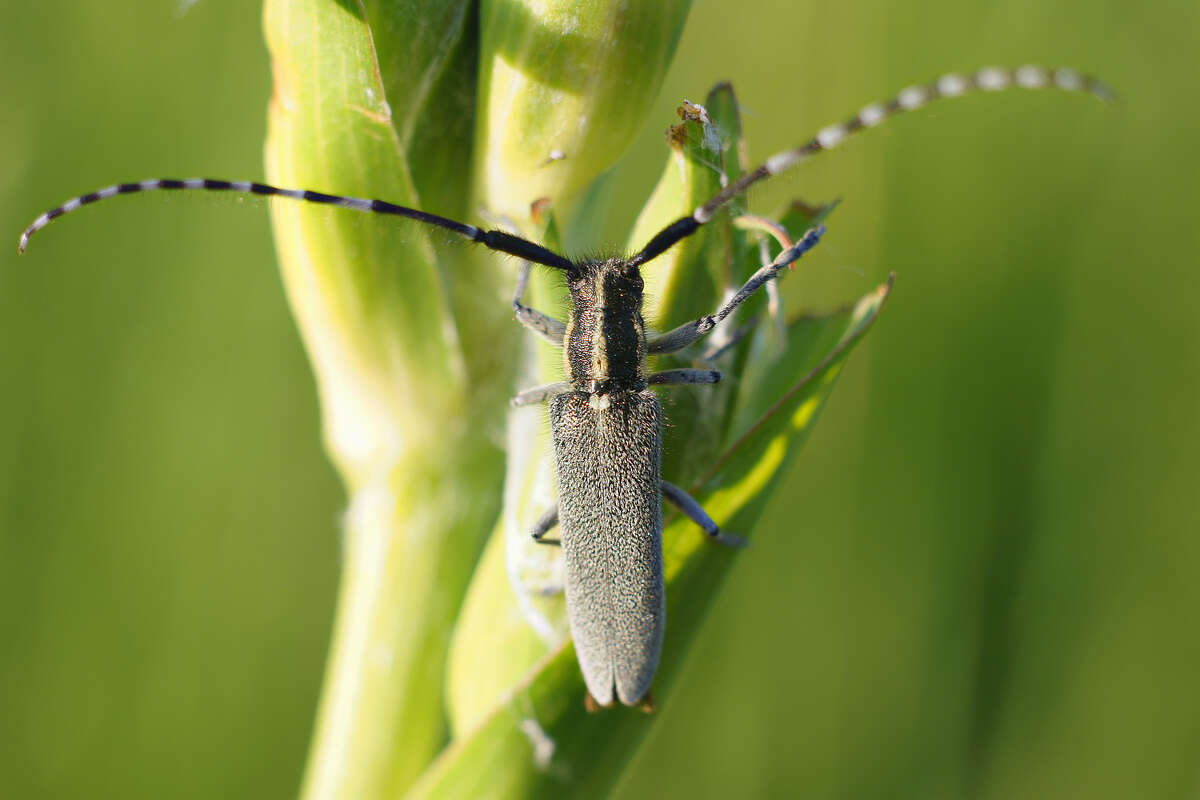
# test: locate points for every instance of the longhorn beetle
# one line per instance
(606, 424)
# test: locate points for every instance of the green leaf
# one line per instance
(541, 743)
(690, 278)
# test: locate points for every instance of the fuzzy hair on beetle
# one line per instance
(606, 423)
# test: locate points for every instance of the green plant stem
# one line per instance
(380, 720)
(406, 416)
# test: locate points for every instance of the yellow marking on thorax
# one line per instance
(599, 343)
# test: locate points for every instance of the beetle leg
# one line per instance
(685, 334)
(685, 503)
(676, 377)
(544, 524)
(540, 394)
(549, 328)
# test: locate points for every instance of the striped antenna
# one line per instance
(950, 85)
(495, 239)
(988, 79)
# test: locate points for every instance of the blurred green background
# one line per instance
(981, 579)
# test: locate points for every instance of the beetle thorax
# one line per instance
(605, 348)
